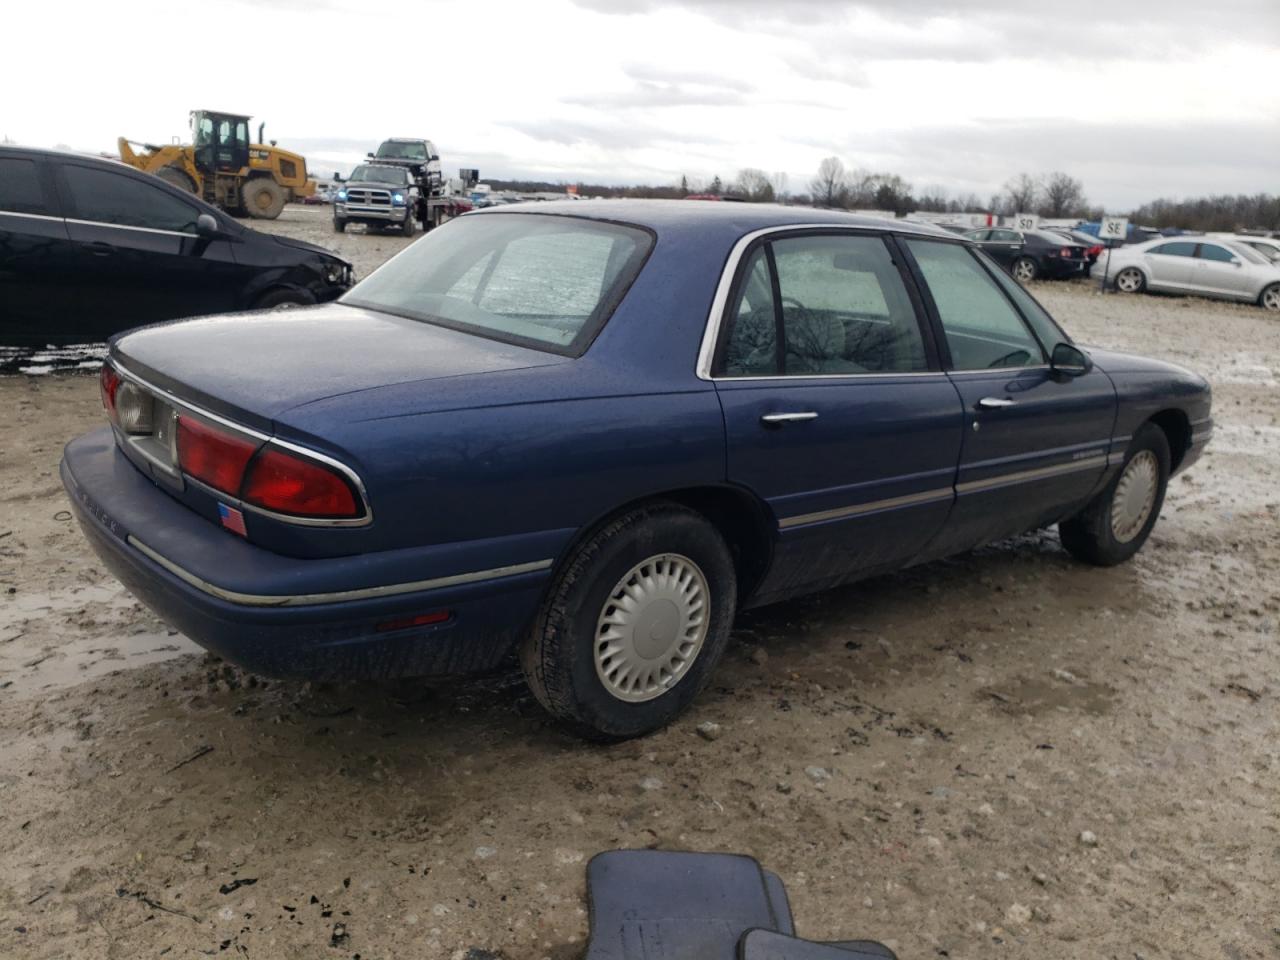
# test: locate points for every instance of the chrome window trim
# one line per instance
(179, 404)
(337, 596)
(126, 226)
(997, 371)
(711, 333)
(31, 216)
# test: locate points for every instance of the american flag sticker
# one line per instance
(232, 519)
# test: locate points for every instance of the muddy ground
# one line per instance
(1004, 754)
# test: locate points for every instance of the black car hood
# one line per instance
(255, 366)
(303, 245)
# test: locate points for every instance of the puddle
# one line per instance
(1033, 696)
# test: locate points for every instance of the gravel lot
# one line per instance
(1003, 754)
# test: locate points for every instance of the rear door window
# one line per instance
(843, 306)
(982, 328)
(20, 188)
(103, 196)
(1179, 249)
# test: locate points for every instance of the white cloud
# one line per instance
(944, 92)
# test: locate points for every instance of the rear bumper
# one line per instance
(295, 624)
(1059, 267)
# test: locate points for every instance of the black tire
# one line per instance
(283, 297)
(559, 656)
(339, 225)
(1025, 269)
(1091, 535)
(177, 178)
(1138, 285)
(263, 198)
(1269, 299)
(406, 228)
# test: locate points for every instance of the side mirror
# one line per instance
(435, 157)
(1235, 261)
(206, 225)
(337, 177)
(1068, 360)
(369, 154)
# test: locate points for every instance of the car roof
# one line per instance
(62, 154)
(684, 216)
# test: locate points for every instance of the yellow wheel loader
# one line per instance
(221, 166)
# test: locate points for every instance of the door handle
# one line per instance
(776, 419)
(100, 249)
(995, 403)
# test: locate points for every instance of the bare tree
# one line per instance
(1063, 196)
(780, 185)
(830, 187)
(1021, 193)
(753, 185)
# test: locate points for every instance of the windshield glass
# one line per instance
(1266, 249)
(370, 174)
(403, 151)
(547, 282)
(1247, 252)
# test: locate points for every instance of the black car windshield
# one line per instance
(372, 174)
(542, 281)
(403, 151)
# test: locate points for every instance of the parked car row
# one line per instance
(93, 246)
(1245, 269)
(1032, 254)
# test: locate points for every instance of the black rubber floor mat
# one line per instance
(781, 903)
(661, 905)
(773, 945)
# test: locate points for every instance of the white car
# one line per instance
(1203, 266)
(1269, 247)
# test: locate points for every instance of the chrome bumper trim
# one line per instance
(340, 596)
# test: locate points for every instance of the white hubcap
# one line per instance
(1024, 270)
(652, 627)
(1271, 299)
(1129, 281)
(1135, 496)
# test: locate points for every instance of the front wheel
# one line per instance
(339, 225)
(1117, 522)
(1130, 280)
(406, 228)
(263, 198)
(1270, 298)
(1025, 270)
(633, 624)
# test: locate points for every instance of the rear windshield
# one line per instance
(547, 282)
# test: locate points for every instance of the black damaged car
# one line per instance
(1033, 254)
(90, 247)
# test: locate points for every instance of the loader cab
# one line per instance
(221, 141)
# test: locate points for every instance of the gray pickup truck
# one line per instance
(378, 196)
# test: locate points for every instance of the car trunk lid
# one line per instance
(252, 368)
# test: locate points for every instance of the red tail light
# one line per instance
(1067, 251)
(213, 456)
(285, 483)
(1095, 251)
(108, 383)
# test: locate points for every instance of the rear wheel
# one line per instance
(177, 178)
(263, 198)
(1117, 522)
(1131, 280)
(633, 624)
(1025, 270)
(1270, 298)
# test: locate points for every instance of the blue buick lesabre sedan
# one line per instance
(591, 432)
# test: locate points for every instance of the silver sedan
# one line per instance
(1202, 266)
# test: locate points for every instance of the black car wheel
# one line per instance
(633, 624)
(1025, 270)
(1117, 522)
(282, 299)
(339, 225)
(406, 228)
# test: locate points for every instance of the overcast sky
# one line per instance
(1137, 98)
